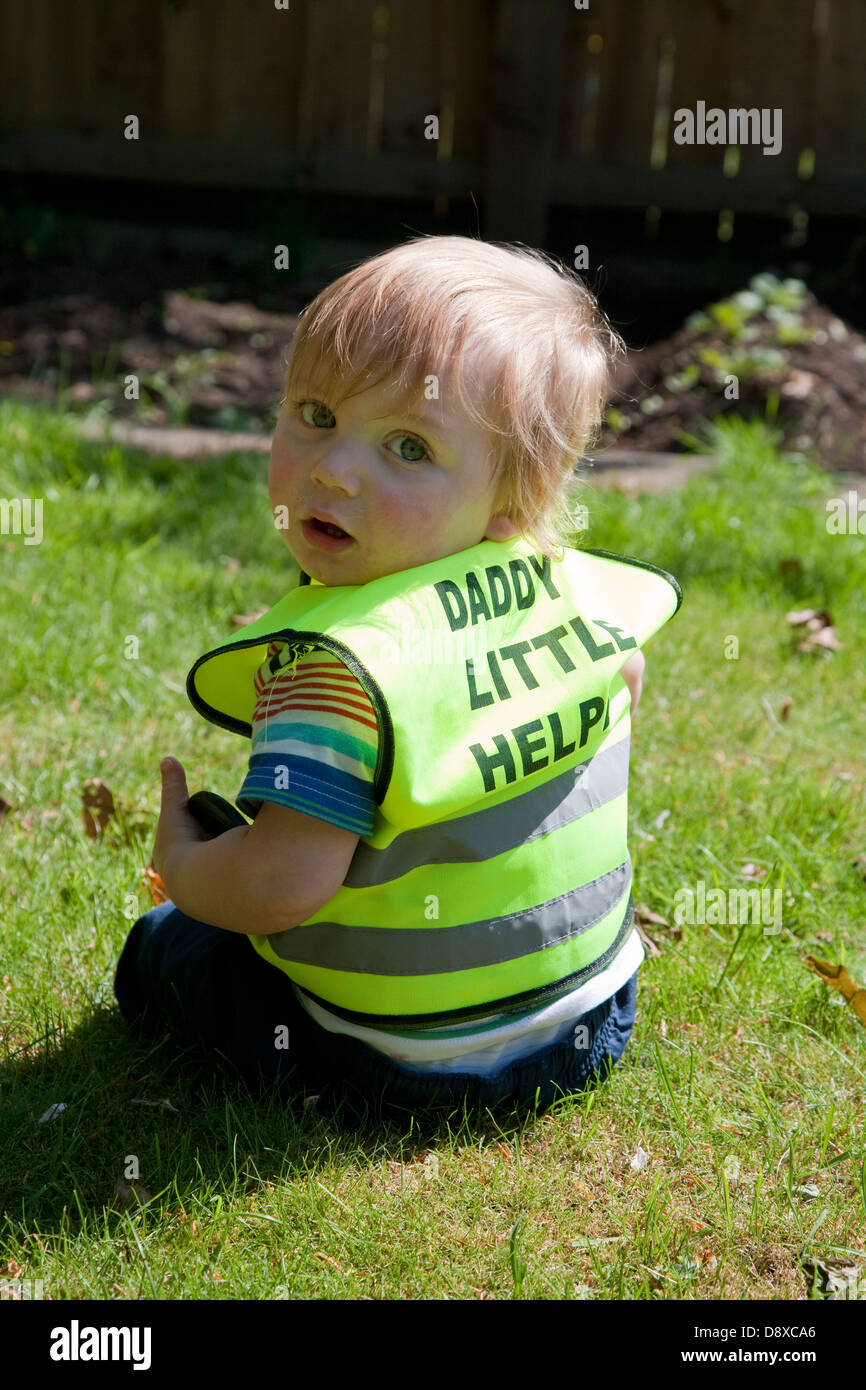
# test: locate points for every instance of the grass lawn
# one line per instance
(744, 1078)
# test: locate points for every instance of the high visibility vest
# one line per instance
(497, 872)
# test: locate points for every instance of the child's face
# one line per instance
(408, 491)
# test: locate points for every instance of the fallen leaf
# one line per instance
(791, 565)
(785, 708)
(799, 385)
(243, 619)
(130, 1194)
(652, 948)
(837, 977)
(152, 883)
(812, 616)
(52, 1112)
(97, 807)
(643, 914)
(328, 1259)
(825, 637)
(837, 1279)
(431, 1166)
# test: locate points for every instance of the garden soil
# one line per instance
(221, 364)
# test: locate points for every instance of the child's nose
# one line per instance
(339, 465)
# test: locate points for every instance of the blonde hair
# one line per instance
(524, 342)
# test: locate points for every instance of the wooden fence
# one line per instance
(538, 102)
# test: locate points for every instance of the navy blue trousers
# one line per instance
(208, 987)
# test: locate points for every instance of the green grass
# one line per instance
(739, 1053)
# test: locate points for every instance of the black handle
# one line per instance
(214, 814)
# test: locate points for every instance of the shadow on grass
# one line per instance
(188, 1127)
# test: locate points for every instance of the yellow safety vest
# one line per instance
(497, 873)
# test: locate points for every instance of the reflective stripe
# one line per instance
(469, 946)
(485, 834)
(513, 1004)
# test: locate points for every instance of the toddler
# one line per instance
(432, 904)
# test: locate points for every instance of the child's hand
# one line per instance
(632, 674)
(176, 824)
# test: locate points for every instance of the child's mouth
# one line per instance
(324, 534)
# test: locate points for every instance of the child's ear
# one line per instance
(501, 528)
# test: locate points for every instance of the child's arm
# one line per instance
(632, 674)
(258, 879)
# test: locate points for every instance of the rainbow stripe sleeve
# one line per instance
(315, 739)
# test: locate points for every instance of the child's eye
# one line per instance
(413, 443)
(301, 407)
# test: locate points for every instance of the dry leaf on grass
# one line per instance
(644, 918)
(791, 565)
(836, 1279)
(152, 883)
(652, 948)
(244, 619)
(52, 1112)
(825, 637)
(130, 1194)
(328, 1260)
(97, 807)
(837, 977)
(799, 385)
(820, 626)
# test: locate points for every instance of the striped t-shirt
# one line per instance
(314, 729)
(314, 749)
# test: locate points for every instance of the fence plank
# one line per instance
(840, 129)
(188, 46)
(535, 103)
(407, 79)
(126, 63)
(527, 64)
(629, 81)
(337, 57)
